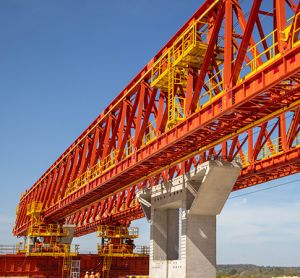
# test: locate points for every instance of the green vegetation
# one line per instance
(254, 271)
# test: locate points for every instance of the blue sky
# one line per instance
(61, 63)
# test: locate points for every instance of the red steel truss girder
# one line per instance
(191, 134)
(277, 163)
(266, 91)
(280, 164)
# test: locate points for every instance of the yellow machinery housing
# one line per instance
(52, 240)
(118, 241)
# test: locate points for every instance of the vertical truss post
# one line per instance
(228, 47)
(280, 20)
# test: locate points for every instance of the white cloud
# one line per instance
(257, 232)
(240, 219)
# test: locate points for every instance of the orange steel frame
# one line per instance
(254, 99)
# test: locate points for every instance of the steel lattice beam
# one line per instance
(229, 77)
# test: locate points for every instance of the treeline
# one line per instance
(254, 271)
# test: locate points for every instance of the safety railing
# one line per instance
(133, 231)
(242, 159)
(107, 163)
(262, 55)
(46, 230)
(82, 180)
(20, 247)
(179, 103)
(215, 83)
(49, 249)
(8, 249)
(179, 50)
(296, 30)
(106, 231)
(125, 249)
(160, 68)
(184, 44)
(110, 160)
(212, 86)
(149, 136)
(142, 250)
(269, 149)
(115, 250)
(129, 148)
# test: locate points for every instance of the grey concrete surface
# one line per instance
(184, 245)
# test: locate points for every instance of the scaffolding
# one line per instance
(170, 71)
(49, 240)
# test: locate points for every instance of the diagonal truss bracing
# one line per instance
(225, 86)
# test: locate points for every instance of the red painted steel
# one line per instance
(241, 94)
(263, 160)
(12, 265)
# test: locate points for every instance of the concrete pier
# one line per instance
(182, 214)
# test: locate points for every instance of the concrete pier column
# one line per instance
(199, 234)
(165, 234)
(182, 214)
(164, 240)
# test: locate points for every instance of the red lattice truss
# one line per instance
(237, 98)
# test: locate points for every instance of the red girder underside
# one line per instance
(276, 167)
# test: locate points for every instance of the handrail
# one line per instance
(268, 150)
